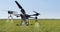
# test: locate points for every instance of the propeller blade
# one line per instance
(22, 10)
(36, 13)
(18, 5)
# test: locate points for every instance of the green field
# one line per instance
(44, 25)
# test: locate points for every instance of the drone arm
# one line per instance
(37, 14)
(17, 15)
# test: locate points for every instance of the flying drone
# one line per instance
(23, 15)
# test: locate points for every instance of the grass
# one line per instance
(44, 25)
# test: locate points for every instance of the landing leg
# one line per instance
(25, 22)
(10, 18)
(36, 19)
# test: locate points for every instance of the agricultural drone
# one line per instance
(23, 15)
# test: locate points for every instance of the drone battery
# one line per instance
(10, 12)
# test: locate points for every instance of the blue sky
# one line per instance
(47, 8)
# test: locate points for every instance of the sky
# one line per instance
(49, 9)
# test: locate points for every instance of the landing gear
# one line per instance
(36, 20)
(10, 18)
(25, 22)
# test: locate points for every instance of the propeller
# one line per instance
(20, 7)
(12, 12)
(36, 13)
